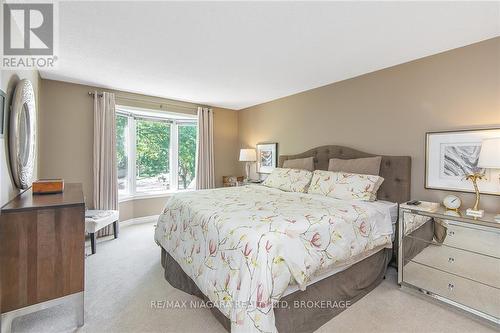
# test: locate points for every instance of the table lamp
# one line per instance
(489, 158)
(247, 156)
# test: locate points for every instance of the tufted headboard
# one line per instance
(396, 170)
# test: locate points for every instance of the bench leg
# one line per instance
(115, 229)
(92, 242)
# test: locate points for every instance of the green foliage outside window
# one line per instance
(187, 154)
(152, 148)
(121, 153)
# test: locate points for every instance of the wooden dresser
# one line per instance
(42, 244)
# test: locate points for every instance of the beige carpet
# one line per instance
(125, 276)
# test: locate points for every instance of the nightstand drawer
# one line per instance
(466, 292)
(481, 268)
(473, 238)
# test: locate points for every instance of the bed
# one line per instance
(272, 260)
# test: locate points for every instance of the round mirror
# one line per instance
(22, 138)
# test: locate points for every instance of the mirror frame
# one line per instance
(22, 161)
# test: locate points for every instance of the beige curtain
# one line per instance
(105, 174)
(205, 175)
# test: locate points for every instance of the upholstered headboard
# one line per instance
(396, 170)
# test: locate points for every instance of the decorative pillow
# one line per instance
(300, 163)
(346, 186)
(363, 166)
(289, 180)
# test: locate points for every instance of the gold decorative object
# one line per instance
(452, 202)
(474, 178)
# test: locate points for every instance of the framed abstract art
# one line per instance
(451, 156)
(267, 157)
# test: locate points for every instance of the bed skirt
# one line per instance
(345, 287)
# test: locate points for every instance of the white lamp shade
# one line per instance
(248, 155)
(489, 157)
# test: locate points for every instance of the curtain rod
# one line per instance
(92, 93)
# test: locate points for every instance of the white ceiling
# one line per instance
(238, 54)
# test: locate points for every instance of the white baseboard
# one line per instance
(139, 220)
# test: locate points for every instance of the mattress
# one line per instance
(394, 211)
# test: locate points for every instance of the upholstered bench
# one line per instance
(95, 220)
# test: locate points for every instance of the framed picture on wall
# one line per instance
(3, 112)
(451, 156)
(267, 157)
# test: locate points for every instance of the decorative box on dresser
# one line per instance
(42, 244)
(459, 266)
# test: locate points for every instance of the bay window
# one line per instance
(156, 152)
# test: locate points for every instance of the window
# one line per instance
(122, 154)
(187, 155)
(155, 154)
(152, 156)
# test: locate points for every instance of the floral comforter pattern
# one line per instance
(346, 186)
(289, 180)
(244, 245)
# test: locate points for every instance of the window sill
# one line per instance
(142, 196)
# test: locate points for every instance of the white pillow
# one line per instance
(345, 186)
(289, 180)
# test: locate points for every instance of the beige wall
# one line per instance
(66, 130)
(141, 207)
(388, 111)
(8, 82)
(226, 144)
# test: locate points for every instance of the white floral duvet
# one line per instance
(243, 246)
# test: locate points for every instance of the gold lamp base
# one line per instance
(475, 211)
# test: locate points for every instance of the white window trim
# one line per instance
(141, 196)
(132, 157)
(132, 193)
(174, 155)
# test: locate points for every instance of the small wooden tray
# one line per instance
(48, 186)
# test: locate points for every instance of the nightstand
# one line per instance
(460, 268)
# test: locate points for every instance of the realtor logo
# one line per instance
(28, 29)
(29, 35)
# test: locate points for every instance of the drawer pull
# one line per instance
(451, 260)
(451, 286)
(451, 233)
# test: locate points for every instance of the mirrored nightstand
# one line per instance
(452, 258)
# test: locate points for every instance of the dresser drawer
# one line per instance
(473, 238)
(466, 292)
(471, 265)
